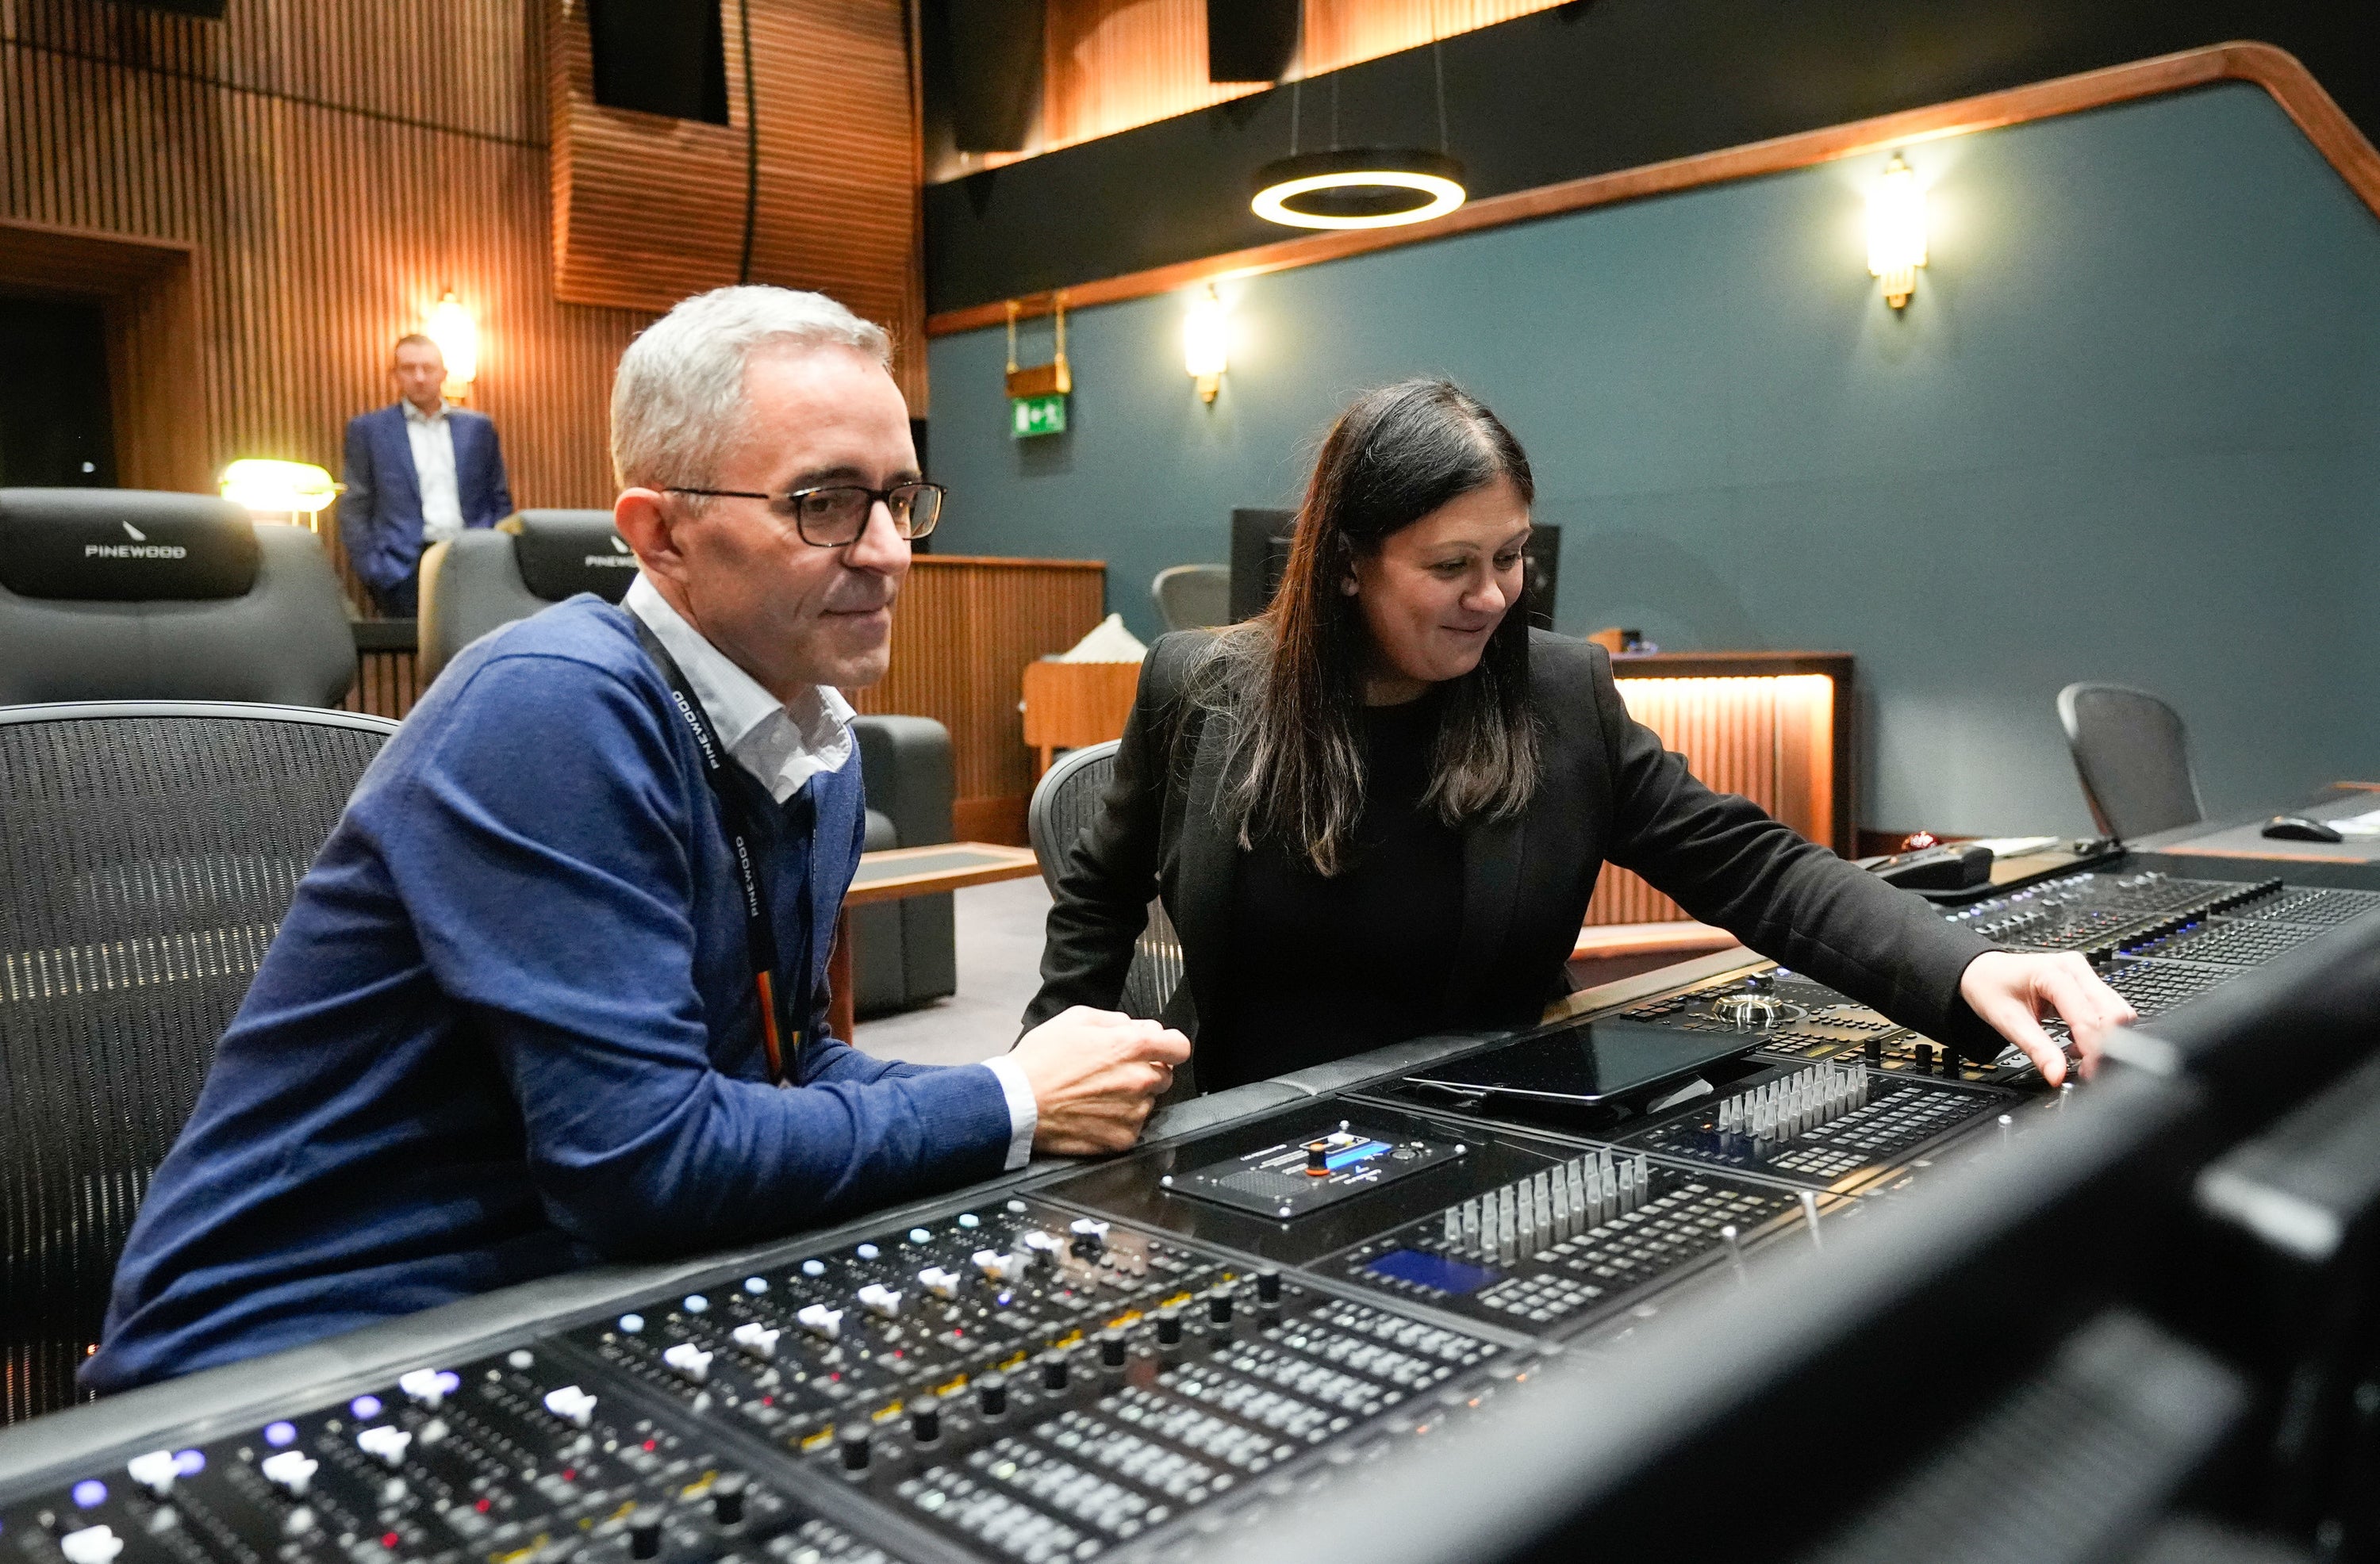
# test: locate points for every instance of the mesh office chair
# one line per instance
(1192, 597)
(1066, 800)
(2132, 757)
(148, 852)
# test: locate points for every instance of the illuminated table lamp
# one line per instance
(457, 337)
(265, 489)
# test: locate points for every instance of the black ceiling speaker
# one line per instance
(1251, 40)
(995, 73)
(660, 57)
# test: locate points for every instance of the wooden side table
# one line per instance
(1068, 705)
(898, 872)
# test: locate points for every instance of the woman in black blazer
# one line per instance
(1377, 810)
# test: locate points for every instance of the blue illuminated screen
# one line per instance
(1421, 1267)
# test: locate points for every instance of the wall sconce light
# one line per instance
(1203, 350)
(1896, 231)
(457, 337)
(296, 490)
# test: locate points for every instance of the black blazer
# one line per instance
(1608, 791)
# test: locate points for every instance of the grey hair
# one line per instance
(677, 408)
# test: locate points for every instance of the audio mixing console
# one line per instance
(1121, 1360)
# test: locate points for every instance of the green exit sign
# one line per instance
(1030, 416)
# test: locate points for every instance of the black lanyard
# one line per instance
(760, 931)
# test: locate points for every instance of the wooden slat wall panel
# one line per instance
(962, 636)
(648, 211)
(1113, 65)
(387, 684)
(1770, 739)
(336, 164)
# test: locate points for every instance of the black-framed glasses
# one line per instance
(834, 515)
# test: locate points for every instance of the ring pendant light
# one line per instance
(1359, 187)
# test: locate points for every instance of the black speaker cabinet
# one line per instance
(1251, 40)
(995, 66)
(660, 57)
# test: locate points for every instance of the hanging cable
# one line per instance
(1438, 67)
(1296, 92)
(751, 148)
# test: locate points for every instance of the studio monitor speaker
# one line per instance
(995, 55)
(1251, 40)
(660, 57)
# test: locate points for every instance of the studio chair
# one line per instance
(124, 594)
(2132, 757)
(1067, 800)
(905, 953)
(149, 849)
(486, 577)
(1192, 597)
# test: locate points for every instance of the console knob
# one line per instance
(1876, 1053)
(1219, 1306)
(1269, 1286)
(881, 1300)
(1112, 1348)
(851, 1439)
(428, 1388)
(386, 1442)
(1169, 1326)
(1043, 1246)
(940, 1282)
(727, 1499)
(1926, 1059)
(755, 1339)
(1090, 1237)
(819, 1320)
(569, 1403)
(998, 1267)
(926, 1418)
(1318, 1158)
(1053, 1370)
(991, 1393)
(154, 1471)
(690, 1361)
(92, 1545)
(291, 1471)
(644, 1537)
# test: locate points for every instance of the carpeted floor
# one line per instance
(1000, 968)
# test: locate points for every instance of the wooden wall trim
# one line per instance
(2278, 72)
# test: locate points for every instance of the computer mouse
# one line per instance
(2297, 827)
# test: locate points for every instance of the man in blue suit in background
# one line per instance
(417, 473)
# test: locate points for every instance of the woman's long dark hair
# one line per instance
(1297, 670)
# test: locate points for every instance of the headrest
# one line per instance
(563, 553)
(124, 545)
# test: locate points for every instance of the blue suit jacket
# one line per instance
(380, 516)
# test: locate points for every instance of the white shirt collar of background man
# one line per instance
(781, 744)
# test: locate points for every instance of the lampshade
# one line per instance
(1204, 351)
(278, 488)
(1360, 188)
(457, 337)
(1896, 231)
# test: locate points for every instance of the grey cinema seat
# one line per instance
(905, 953)
(129, 594)
(490, 576)
(2132, 757)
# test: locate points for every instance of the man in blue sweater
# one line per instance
(528, 1011)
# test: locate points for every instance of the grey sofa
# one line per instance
(129, 594)
(905, 953)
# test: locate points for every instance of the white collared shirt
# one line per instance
(784, 747)
(431, 435)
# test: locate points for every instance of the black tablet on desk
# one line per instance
(1587, 1061)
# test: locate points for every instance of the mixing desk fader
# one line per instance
(1824, 1126)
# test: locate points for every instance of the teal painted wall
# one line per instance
(2128, 429)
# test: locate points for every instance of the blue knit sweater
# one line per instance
(509, 1027)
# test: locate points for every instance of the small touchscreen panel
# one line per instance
(1587, 1060)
